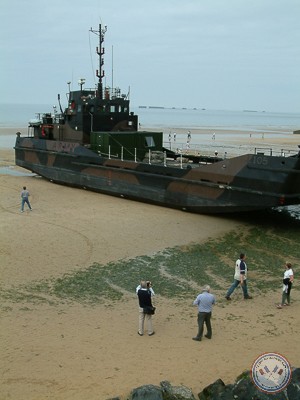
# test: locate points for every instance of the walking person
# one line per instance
(288, 278)
(205, 302)
(240, 278)
(25, 199)
(145, 302)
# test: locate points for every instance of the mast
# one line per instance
(100, 51)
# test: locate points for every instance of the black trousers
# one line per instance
(204, 317)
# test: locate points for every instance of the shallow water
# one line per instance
(7, 141)
(12, 171)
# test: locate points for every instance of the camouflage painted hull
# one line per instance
(247, 182)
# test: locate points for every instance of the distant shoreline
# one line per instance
(239, 140)
(10, 130)
(169, 118)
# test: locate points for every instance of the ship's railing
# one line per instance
(153, 157)
(227, 150)
(109, 93)
(113, 93)
(268, 151)
(184, 159)
(42, 117)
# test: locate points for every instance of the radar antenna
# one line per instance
(100, 51)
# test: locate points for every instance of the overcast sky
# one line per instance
(214, 54)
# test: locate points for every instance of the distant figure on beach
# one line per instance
(145, 301)
(213, 136)
(240, 278)
(174, 136)
(205, 302)
(170, 137)
(25, 199)
(189, 137)
(288, 278)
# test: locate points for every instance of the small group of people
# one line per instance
(240, 278)
(206, 300)
(174, 136)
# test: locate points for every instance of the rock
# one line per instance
(146, 392)
(176, 392)
(293, 389)
(244, 389)
(114, 398)
(212, 391)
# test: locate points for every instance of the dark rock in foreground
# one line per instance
(242, 389)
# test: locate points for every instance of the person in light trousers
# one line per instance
(145, 300)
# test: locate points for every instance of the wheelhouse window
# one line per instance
(115, 108)
(149, 141)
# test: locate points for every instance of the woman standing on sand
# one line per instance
(145, 301)
(288, 278)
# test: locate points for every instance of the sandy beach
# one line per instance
(71, 351)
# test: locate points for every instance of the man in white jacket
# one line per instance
(240, 278)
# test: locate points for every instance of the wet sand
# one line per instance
(79, 352)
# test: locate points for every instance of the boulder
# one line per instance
(147, 392)
(293, 389)
(242, 389)
(176, 392)
(213, 391)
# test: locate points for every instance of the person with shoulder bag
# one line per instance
(146, 309)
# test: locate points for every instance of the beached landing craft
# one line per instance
(95, 144)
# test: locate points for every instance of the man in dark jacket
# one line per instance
(144, 296)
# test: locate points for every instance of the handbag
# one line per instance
(149, 310)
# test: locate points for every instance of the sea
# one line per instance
(171, 119)
(168, 120)
(16, 115)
